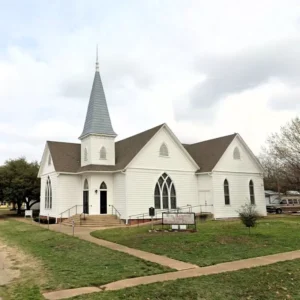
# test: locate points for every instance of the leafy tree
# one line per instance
(248, 215)
(19, 183)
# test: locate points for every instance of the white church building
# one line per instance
(102, 176)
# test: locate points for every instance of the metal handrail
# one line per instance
(157, 212)
(117, 213)
(68, 210)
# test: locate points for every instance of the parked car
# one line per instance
(284, 205)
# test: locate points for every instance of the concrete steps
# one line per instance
(94, 221)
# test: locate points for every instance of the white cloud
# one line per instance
(147, 54)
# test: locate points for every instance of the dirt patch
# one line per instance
(13, 262)
(8, 272)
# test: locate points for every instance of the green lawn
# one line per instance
(279, 281)
(215, 241)
(69, 262)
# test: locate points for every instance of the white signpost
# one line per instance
(179, 220)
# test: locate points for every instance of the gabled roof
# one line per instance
(66, 156)
(97, 119)
(207, 153)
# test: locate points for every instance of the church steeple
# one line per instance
(97, 119)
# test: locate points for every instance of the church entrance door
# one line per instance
(103, 202)
(85, 202)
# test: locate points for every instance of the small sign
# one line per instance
(28, 213)
(178, 218)
(151, 211)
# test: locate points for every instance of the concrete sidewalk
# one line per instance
(84, 234)
(197, 272)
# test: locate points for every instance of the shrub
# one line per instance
(45, 221)
(248, 215)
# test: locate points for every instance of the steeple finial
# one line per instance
(97, 62)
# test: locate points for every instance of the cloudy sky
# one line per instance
(206, 67)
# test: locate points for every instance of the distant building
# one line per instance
(272, 197)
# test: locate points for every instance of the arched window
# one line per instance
(85, 154)
(48, 194)
(226, 192)
(103, 153)
(251, 191)
(236, 153)
(163, 151)
(165, 193)
(86, 185)
(49, 160)
(103, 186)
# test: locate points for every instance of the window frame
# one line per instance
(103, 153)
(48, 194)
(103, 186)
(164, 150)
(236, 153)
(251, 192)
(226, 192)
(165, 193)
(85, 154)
(86, 185)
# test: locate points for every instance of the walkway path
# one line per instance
(184, 270)
(196, 272)
(84, 234)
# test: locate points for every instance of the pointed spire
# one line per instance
(97, 119)
(97, 62)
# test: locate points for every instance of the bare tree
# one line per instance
(281, 157)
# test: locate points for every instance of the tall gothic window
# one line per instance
(163, 150)
(103, 153)
(226, 192)
(48, 194)
(49, 160)
(85, 154)
(251, 191)
(236, 153)
(165, 193)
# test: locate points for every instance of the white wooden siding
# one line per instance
(149, 157)
(69, 194)
(245, 164)
(120, 194)
(45, 168)
(239, 193)
(140, 186)
(93, 145)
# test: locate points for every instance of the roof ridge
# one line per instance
(142, 132)
(214, 139)
(62, 142)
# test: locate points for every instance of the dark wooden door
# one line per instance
(103, 202)
(85, 202)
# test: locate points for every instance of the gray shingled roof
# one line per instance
(207, 153)
(66, 156)
(97, 119)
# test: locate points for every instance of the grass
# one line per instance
(214, 242)
(69, 262)
(278, 281)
